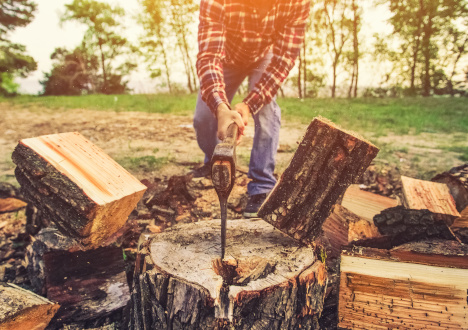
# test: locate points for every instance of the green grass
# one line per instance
(380, 116)
(461, 150)
(146, 163)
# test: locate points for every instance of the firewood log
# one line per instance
(366, 204)
(326, 162)
(76, 185)
(268, 281)
(419, 285)
(22, 309)
(87, 284)
(427, 195)
(457, 181)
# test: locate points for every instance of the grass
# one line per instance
(146, 163)
(461, 150)
(380, 116)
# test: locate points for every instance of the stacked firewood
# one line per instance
(414, 273)
(79, 200)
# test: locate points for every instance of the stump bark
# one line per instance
(87, 284)
(326, 162)
(420, 285)
(76, 185)
(22, 309)
(269, 281)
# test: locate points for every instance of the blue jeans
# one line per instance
(267, 125)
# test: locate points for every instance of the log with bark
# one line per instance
(420, 285)
(404, 225)
(326, 162)
(366, 204)
(87, 284)
(76, 185)
(457, 181)
(22, 309)
(427, 195)
(268, 281)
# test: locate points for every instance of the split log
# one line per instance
(419, 285)
(11, 205)
(460, 226)
(326, 162)
(427, 195)
(22, 309)
(457, 181)
(335, 230)
(405, 225)
(87, 284)
(366, 204)
(76, 185)
(269, 281)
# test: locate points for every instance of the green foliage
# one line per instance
(431, 38)
(73, 73)
(14, 62)
(103, 38)
(144, 162)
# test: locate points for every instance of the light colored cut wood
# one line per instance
(366, 204)
(432, 196)
(326, 162)
(420, 285)
(22, 309)
(76, 185)
(11, 204)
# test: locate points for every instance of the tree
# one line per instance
(419, 26)
(73, 73)
(154, 42)
(102, 21)
(332, 18)
(14, 62)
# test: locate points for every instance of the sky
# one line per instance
(45, 33)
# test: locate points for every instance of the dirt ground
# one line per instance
(156, 145)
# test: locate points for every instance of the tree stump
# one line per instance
(76, 185)
(326, 162)
(87, 284)
(419, 285)
(22, 309)
(269, 281)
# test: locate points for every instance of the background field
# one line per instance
(151, 135)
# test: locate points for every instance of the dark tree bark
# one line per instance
(327, 161)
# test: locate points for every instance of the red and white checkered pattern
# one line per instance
(236, 33)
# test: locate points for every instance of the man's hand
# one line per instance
(244, 111)
(226, 117)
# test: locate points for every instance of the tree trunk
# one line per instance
(104, 73)
(76, 185)
(427, 56)
(87, 284)
(327, 161)
(268, 282)
(334, 78)
(299, 77)
(166, 66)
(417, 285)
(22, 309)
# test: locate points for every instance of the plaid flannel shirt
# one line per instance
(234, 33)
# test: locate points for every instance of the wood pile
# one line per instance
(415, 275)
(82, 198)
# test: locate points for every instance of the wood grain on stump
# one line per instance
(267, 281)
(22, 309)
(75, 184)
(326, 162)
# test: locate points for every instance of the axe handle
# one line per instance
(231, 134)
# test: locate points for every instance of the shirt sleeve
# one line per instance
(211, 53)
(285, 51)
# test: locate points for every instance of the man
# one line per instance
(258, 39)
